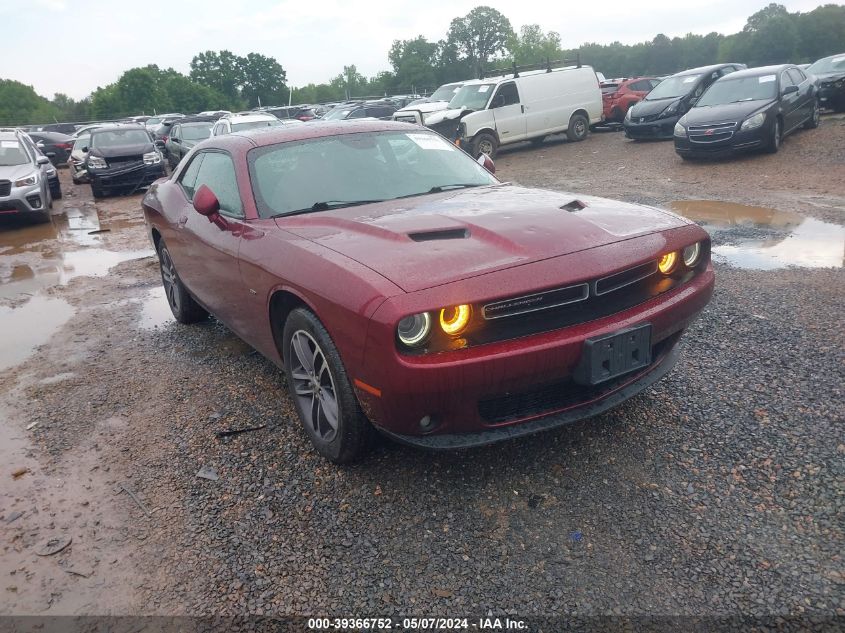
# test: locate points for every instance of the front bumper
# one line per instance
(23, 200)
(832, 97)
(135, 175)
(466, 391)
(657, 129)
(742, 141)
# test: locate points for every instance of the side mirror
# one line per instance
(205, 202)
(85, 150)
(789, 90)
(42, 160)
(485, 161)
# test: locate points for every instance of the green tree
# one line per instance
(532, 46)
(413, 63)
(480, 35)
(20, 104)
(262, 80)
(221, 71)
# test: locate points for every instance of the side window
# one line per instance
(188, 179)
(796, 75)
(218, 173)
(785, 80)
(727, 70)
(654, 82)
(640, 86)
(506, 95)
(357, 114)
(174, 132)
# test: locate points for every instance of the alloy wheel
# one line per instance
(314, 386)
(168, 280)
(485, 147)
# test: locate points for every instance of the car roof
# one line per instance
(124, 126)
(197, 119)
(249, 118)
(702, 69)
(317, 129)
(760, 70)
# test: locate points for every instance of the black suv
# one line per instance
(122, 158)
(369, 110)
(830, 73)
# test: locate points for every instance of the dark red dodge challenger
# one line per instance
(402, 287)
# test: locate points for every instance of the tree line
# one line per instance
(221, 80)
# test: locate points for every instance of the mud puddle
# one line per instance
(766, 239)
(29, 326)
(155, 311)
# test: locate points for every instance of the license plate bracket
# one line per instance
(612, 355)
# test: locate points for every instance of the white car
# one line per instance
(488, 113)
(417, 111)
(239, 122)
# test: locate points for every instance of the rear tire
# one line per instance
(321, 392)
(182, 304)
(813, 122)
(579, 127)
(56, 190)
(484, 143)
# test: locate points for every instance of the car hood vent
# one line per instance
(444, 234)
(574, 205)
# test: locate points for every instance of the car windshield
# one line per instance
(11, 153)
(80, 142)
(728, 90)
(444, 93)
(196, 131)
(337, 114)
(115, 138)
(153, 121)
(349, 169)
(609, 88)
(252, 125)
(472, 97)
(828, 65)
(676, 86)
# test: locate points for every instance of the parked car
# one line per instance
(153, 122)
(78, 154)
(300, 113)
(830, 72)
(619, 96)
(524, 106)
(122, 158)
(184, 134)
(214, 113)
(161, 131)
(24, 177)
(61, 128)
(248, 121)
(748, 109)
(366, 110)
(85, 129)
(417, 110)
(381, 267)
(54, 145)
(656, 115)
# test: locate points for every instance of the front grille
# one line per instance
(625, 278)
(561, 395)
(5, 187)
(646, 119)
(535, 302)
(125, 163)
(711, 133)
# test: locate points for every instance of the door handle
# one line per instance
(523, 108)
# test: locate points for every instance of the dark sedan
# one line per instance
(403, 288)
(749, 109)
(54, 145)
(830, 73)
(655, 116)
(122, 158)
(184, 134)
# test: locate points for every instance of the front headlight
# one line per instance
(666, 264)
(753, 122)
(691, 254)
(95, 162)
(628, 114)
(680, 130)
(152, 158)
(670, 109)
(27, 181)
(413, 330)
(454, 319)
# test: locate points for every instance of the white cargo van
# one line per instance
(418, 111)
(520, 106)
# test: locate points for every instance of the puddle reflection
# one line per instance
(795, 240)
(155, 311)
(30, 325)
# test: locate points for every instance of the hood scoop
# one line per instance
(574, 205)
(443, 234)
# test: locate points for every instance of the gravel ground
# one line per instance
(719, 491)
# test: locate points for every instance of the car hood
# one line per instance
(13, 172)
(122, 150)
(825, 77)
(647, 108)
(430, 106)
(436, 239)
(725, 112)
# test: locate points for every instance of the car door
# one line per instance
(508, 113)
(790, 103)
(806, 97)
(209, 262)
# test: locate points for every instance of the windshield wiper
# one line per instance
(325, 206)
(440, 188)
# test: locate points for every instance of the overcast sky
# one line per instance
(74, 47)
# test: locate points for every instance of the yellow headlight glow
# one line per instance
(453, 320)
(666, 264)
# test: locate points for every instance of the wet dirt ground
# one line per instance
(718, 491)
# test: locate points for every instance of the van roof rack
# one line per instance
(547, 65)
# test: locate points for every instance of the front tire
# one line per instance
(813, 122)
(183, 306)
(321, 392)
(485, 143)
(56, 190)
(578, 128)
(774, 138)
